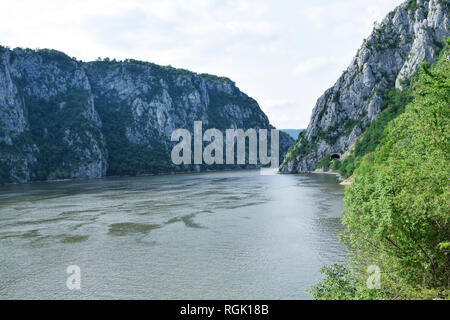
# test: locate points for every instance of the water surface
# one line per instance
(226, 235)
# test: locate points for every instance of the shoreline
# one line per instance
(171, 173)
(341, 180)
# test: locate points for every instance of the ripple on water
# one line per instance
(31, 234)
(188, 221)
(73, 212)
(127, 228)
(33, 222)
(74, 239)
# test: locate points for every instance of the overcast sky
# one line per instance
(283, 53)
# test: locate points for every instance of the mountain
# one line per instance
(293, 132)
(396, 211)
(411, 34)
(63, 118)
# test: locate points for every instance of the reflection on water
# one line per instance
(227, 235)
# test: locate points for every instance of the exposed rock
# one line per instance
(62, 118)
(412, 33)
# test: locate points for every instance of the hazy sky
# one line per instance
(283, 53)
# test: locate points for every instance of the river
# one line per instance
(221, 235)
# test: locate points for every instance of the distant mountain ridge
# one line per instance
(62, 118)
(411, 34)
(293, 132)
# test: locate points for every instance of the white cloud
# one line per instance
(313, 64)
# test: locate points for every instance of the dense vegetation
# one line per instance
(396, 212)
(124, 157)
(51, 122)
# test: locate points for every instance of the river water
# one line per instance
(225, 235)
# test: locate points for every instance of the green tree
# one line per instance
(397, 211)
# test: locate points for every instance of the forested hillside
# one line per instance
(61, 118)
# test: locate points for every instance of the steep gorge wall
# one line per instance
(412, 33)
(63, 118)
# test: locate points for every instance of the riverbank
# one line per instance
(341, 180)
(162, 173)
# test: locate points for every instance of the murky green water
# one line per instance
(228, 235)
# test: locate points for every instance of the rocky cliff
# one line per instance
(63, 118)
(413, 33)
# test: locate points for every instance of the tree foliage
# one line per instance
(397, 211)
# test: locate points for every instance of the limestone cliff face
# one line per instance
(412, 33)
(13, 126)
(62, 118)
(46, 96)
